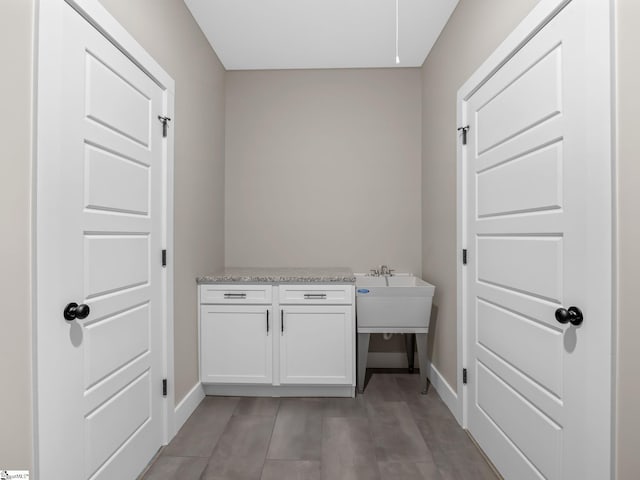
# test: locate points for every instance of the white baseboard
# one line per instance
(445, 392)
(187, 405)
(280, 390)
(399, 360)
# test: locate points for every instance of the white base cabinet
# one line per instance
(316, 345)
(277, 340)
(236, 344)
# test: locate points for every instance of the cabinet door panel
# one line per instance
(316, 345)
(235, 346)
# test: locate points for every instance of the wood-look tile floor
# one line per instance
(390, 432)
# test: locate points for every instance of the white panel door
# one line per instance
(99, 243)
(316, 345)
(527, 231)
(236, 344)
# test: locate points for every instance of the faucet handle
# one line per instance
(391, 270)
(374, 272)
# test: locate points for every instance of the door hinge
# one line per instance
(164, 387)
(464, 133)
(165, 124)
(464, 376)
(464, 256)
(164, 258)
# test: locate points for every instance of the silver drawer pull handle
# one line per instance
(316, 296)
(235, 295)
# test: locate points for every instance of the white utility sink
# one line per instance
(370, 281)
(393, 304)
(393, 301)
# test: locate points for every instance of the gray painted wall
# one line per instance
(323, 168)
(628, 358)
(16, 52)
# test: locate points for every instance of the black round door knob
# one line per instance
(73, 311)
(572, 315)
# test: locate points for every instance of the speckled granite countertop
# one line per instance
(280, 275)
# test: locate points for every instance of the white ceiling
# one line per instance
(282, 34)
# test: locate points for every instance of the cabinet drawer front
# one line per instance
(316, 294)
(235, 294)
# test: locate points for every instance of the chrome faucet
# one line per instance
(382, 271)
(386, 271)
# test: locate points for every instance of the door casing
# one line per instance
(94, 13)
(601, 207)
